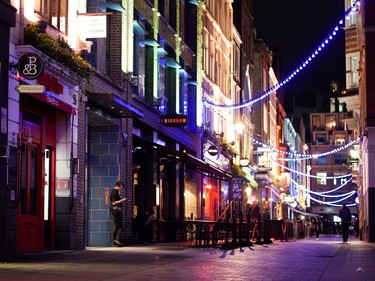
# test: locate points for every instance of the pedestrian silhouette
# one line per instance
(346, 218)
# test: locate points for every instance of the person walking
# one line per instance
(346, 218)
(316, 223)
(116, 209)
(255, 212)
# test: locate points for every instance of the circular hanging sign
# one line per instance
(30, 66)
(212, 150)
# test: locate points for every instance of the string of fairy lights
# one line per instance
(303, 65)
(324, 194)
(344, 196)
(293, 156)
(297, 156)
(308, 175)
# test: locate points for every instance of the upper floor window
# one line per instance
(321, 138)
(53, 11)
(338, 180)
(316, 123)
(354, 65)
(339, 139)
(352, 17)
(322, 160)
(340, 159)
(330, 123)
(322, 178)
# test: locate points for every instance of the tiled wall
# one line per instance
(103, 165)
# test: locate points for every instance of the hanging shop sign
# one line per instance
(174, 120)
(93, 25)
(30, 66)
(213, 150)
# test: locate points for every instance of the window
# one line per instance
(337, 180)
(183, 94)
(340, 159)
(322, 160)
(339, 139)
(53, 11)
(330, 123)
(316, 123)
(351, 18)
(354, 72)
(322, 178)
(160, 101)
(321, 138)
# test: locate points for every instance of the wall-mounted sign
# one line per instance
(30, 89)
(30, 66)
(51, 83)
(174, 120)
(213, 150)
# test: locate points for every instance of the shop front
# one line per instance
(41, 159)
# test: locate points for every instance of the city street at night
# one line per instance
(307, 259)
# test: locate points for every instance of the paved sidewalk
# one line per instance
(308, 259)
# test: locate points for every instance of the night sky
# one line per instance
(295, 28)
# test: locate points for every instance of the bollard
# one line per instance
(234, 230)
(283, 229)
(240, 229)
(258, 227)
(227, 228)
(248, 229)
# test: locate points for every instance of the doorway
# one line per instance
(36, 144)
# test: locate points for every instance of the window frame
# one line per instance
(45, 8)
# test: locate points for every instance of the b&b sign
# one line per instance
(30, 66)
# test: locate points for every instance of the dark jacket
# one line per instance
(345, 214)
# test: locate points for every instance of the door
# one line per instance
(30, 193)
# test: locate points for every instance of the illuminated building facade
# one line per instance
(366, 38)
(330, 171)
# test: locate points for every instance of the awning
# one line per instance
(55, 102)
(202, 166)
(194, 163)
(115, 105)
(188, 160)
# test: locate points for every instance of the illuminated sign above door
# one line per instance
(174, 120)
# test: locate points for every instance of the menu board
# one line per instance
(12, 167)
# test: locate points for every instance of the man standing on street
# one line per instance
(346, 218)
(116, 209)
